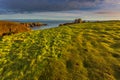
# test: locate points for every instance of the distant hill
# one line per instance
(88, 51)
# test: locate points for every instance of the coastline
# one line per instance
(12, 27)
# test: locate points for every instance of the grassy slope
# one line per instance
(88, 51)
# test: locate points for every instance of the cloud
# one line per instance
(47, 5)
(113, 5)
(97, 9)
(108, 12)
(63, 15)
(115, 2)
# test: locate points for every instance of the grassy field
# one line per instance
(86, 51)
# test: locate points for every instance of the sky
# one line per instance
(60, 9)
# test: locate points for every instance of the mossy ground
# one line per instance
(87, 51)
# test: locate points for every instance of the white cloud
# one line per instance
(112, 1)
(65, 15)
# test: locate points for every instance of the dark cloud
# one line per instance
(47, 5)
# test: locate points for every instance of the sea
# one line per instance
(50, 23)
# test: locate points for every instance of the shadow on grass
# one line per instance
(0, 38)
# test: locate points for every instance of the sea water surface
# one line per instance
(50, 23)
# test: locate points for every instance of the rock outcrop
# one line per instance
(33, 24)
(76, 21)
(65, 24)
(8, 27)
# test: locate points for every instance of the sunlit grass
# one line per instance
(87, 51)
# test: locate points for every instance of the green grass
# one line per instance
(87, 51)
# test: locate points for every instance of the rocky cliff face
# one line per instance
(8, 27)
(33, 24)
